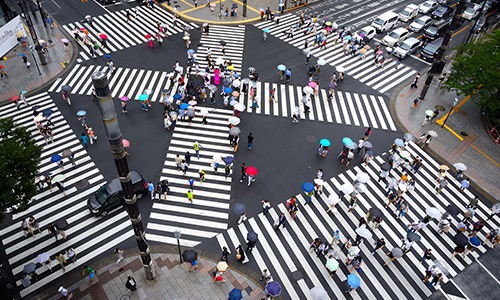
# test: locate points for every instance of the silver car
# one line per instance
(420, 23)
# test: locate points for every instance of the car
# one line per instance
(471, 11)
(395, 37)
(410, 12)
(443, 2)
(110, 195)
(406, 48)
(427, 7)
(368, 31)
(436, 30)
(482, 24)
(442, 12)
(431, 50)
(106, 2)
(420, 23)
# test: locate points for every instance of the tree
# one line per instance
(476, 72)
(19, 160)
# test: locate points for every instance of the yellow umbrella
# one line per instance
(362, 51)
(19, 34)
(222, 266)
(230, 68)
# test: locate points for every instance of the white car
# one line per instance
(395, 37)
(368, 31)
(420, 23)
(472, 11)
(427, 7)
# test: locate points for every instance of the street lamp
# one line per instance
(108, 115)
(177, 235)
(455, 102)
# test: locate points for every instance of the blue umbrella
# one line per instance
(236, 75)
(474, 241)
(184, 106)
(347, 141)
(81, 113)
(281, 67)
(143, 97)
(228, 160)
(308, 187)
(55, 158)
(273, 288)
(228, 90)
(353, 280)
(266, 30)
(235, 294)
(399, 142)
(47, 112)
(325, 143)
(22, 54)
(107, 56)
(348, 37)
(29, 268)
(191, 51)
(239, 208)
(177, 96)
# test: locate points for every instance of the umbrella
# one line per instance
(184, 106)
(441, 267)
(379, 52)
(402, 186)
(124, 98)
(222, 266)
(228, 160)
(222, 43)
(67, 153)
(251, 69)
(190, 112)
(399, 142)
(354, 250)
(325, 142)
(460, 166)
(347, 188)
(204, 112)
(189, 256)
(177, 5)
(312, 84)
(319, 181)
(38, 118)
(239, 107)
(331, 85)
(266, 30)
(81, 113)
(405, 154)
(66, 88)
(333, 199)
(81, 184)
(370, 153)
(143, 97)
(433, 212)
(332, 264)
(173, 113)
(281, 67)
(363, 177)
(429, 112)
(393, 181)
(363, 51)
(212, 87)
(228, 90)
(321, 62)
(47, 112)
(367, 144)
(408, 137)
(347, 141)
(398, 253)
(444, 167)
(353, 280)
(273, 288)
(125, 143)
(233, 103)
(191, 51)
(236, 76)
(348, 37)
(235, 93)
(234, 120)
(474, 241)
(205, 24)
(236, 83)
(59, 178)
(165, 91)
(352, 146)
(252, 171)
(19, 34)
(360, 187)
(217, 159)
(452, 209)
(394, 158)
(340, 69)
(307, 187)
(412, 236)
(461, 240)
(362, 231)
(192, 102)
(432, 133)
(187, 28)
(235, 294)
(55, 158)
(252, 237)
(29, 268)
(61, 224)
(308, 90)
(35, 107)
(43, 257)
(186, 37)
(22, 54)
(385, 167)
(148, 36)
(226, 84)
(440, 107)
(234, 131)
(64, 41)
(179, 68)
(318, 293)
(177, 96)
(375, 212)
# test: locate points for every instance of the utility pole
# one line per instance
(32, 31)
(438, 65)
(244, 8)
(472, 27)
(40, 9)
(108, 114)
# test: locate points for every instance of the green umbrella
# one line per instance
(24, 91)
(332, 264)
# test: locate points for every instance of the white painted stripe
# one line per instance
(373, 120)
(353, 109)
(54, 85)
(378, 112)
(343, 108)
(386, 113)
(360, 110)
(283, 101)
(189, 211)
(197, 202)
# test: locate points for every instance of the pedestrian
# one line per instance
(468, 215)
(71, 254)
(352, 203)
(34, 224)
(26, 228)
(379, 244)
(376, 222)
(66, 97)
(322, 249)
(308, 57)
(415, 102)
(309, 197)
(415, 81)
(415, 226)
(52, 229)
(250, 179)
(350, 156)
(190, 196)
(390, 256)
(61, 261)
(265, 275)
(432, 270)
(402, 209)
(218, 277)
(197, 148)
(88, 271)
(266, 206)
(434, 116)
(65, 293)
(151, 189)
(227, 170)
(119, 255)
(476, 227)
(187, 158)
(441, 79)
(442, 183)
(336, 237)
(91, 135)
(224, 255)
(491, 236)
(406, 246)
(494, 211)
(436, 279)
(164, 188)
(473, 202)
(426, 255)
(131, 284)
(443, 226)
(250, 141)
(280, 221)
(192, 265)
(240, 253)
(3, 74)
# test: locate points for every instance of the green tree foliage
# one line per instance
(19, 160)
(476, 72)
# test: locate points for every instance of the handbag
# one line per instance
(238, 256)
(91, 274)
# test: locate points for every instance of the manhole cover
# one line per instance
(464, 133)
(297, 275)
(312, 138)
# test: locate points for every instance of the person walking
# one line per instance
(415, 81)
(187, 158)
(266, 206)
(190, 196)
(151, 189)
(265, 275)
(52, 229)
(494, 211)
(224, 255)
(390, 256)
(60, 259)
(71, 254)
(240, 254)
(88, 271)
(436, 279)
(119, 255)
(309, 197)
(197, 148)
(426, 255)
(336, 238)
(442, 183)
(131, 284)
(280, 221)
(431, 271)
(250, 141)
(243, 169)
(379, 244)
(406, 246)
(65, 293)
(190, 183)
(34, 224)
(26, 228)
(227, 170)
(92, 136)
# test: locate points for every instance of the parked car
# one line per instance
(368, 31)
(420, 23)
(427, 7)
(407, 47)
(442, 12)
(410, 12)
(471, 11)
(395, 37)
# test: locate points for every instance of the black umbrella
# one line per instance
(252, 237)
(370, 153)
(189, 256)
(61, 224)
(223, 43)
(47, 112)
(375, 212)
(66, 88)
(452, 209)
(385, 167)
(81, 184)
(461, 240)
(177, 5)
(412, 236)
(226, 84)
(165, 91)
(315, 77)
(35, 107)
(29, 268)
(235, 5)
(239, 208)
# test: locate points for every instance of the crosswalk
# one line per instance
(209, 212)
(89, 236)
(380, 79)
(285, 252)
(234, 36)
(122, 34)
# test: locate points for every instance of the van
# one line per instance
(407, 47)
(110, 195)
(431, 50)
(436, 30)
(408, 13)
(385, 21)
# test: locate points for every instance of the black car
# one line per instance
(110, 195)
(436, 30)
(481, 24)
(106, 2)
(431, 50)
(442, 12)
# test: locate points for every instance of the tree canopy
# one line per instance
(19, 160)
(476, 72)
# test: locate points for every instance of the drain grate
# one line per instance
(464, 133)
(312, 138)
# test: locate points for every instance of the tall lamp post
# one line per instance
(455, 102)
(177, 235)
(108, 114)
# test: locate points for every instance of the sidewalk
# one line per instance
(173, 281)
(463, 139)
(19, 78)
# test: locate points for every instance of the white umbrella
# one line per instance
(318, 293)
(43, 257)
(460, 166)
(38, 118)
(236, 83)
(405, 154)
(178, 69)
(363, 177)
(204, 112)
(360, 187)
(362, 231)
(234, 120)
(402, 186)
(353, 251)
(308, 90)
(433, 212)
(239, 107)
(219, 61)
(319, 181)
(217, 159)
(432, 133)
(340, 69)
(347, 188)
(333, 199)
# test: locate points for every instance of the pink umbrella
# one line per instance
(328, 28)
(124, 98)
(312, 84)
(379, 52)
(192, 102)
(251, 171)
(126, 143)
